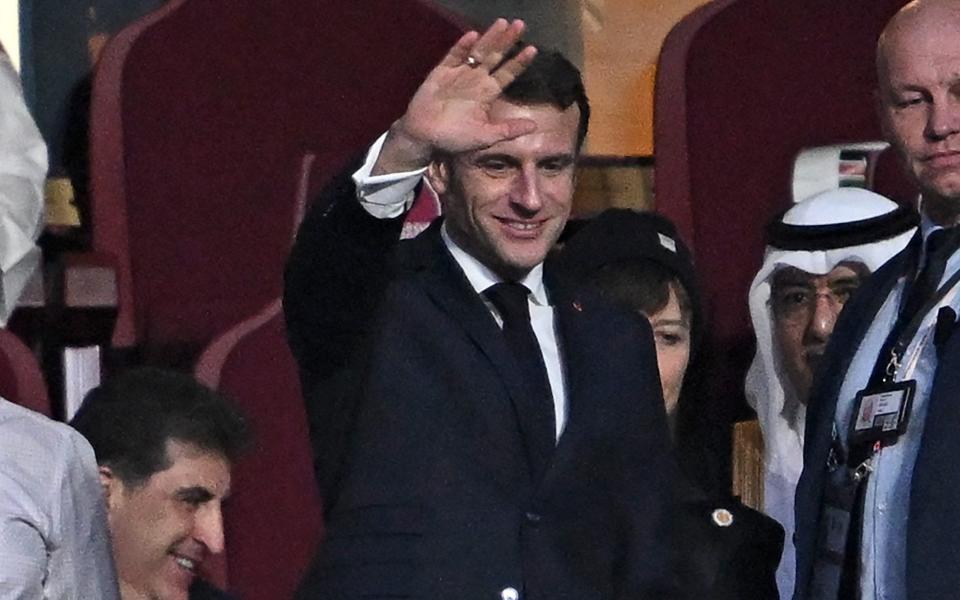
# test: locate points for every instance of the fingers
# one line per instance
(497, 41)
(514, 128)
(512, 68)
(488, 49)
(461, 50)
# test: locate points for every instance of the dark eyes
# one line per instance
(495, 166)
(670, 339)
(907, 102)
(499, 167)
(672, 336)
(801, 298)
(794, 298)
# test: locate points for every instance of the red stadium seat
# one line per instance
(273, 520)
(21, 380)
(198, 112)
(742, 86)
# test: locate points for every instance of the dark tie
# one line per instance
(940, 246)
(536, 409)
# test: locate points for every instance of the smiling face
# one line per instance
(919, 97)
(507, 204)
(164, 528)
(805, 310)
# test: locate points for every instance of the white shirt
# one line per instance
(54, 542)
(23, 169)
(388, 196)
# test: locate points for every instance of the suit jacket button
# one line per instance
(509, 593)
(533, 517)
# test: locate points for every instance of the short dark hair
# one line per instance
(641, 285)
(129, 420)
(551, 79)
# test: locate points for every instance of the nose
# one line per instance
(943, 120)
(824, 317)
(208, 527)
(527, 192)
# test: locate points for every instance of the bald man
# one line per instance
(877, 505)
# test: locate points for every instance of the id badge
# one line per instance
(882, 412)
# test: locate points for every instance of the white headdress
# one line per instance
(815, 235)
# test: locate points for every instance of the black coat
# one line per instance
(725, 550)
(202, 590)
(419, 452)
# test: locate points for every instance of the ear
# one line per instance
(438, 174)
(111, 484)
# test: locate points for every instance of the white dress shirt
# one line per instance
(23, 169)
(54, 542)
(388, 196)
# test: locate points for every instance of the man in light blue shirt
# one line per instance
(879, 517)
(54, 541)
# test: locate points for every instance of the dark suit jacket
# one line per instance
(933, 533)
(202, 590)
(725, 560)
(420, 455)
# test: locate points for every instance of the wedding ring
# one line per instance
(472, 62)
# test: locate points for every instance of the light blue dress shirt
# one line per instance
(887, 499)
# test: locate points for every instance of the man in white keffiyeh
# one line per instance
(818, 252)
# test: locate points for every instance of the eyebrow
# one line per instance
(791, 280)
(195, 493)
(851, 280)
(681, 322)
(566, 159)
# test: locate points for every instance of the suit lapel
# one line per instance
(574, 331)
(448, 287)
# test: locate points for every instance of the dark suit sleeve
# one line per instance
(335, 276)
(647, 474)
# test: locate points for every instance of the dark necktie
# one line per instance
(536, 409)
(940, 246)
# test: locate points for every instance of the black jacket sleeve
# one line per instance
(336, 274)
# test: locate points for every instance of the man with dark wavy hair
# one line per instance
(164, 444)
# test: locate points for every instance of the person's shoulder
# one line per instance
(39, 455)
(203, 590)
(24, 430)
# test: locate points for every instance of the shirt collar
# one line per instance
(926, 225)
(482, 277)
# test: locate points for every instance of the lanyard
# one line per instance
(889, 362)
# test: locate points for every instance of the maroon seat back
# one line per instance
(198, 112)
(273, 520)
(21, 380)
(742, 86)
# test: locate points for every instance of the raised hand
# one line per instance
(450, 111)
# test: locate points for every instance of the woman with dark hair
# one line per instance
(635, 260)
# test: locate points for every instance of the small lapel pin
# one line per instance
(722, 517)
(577, 306)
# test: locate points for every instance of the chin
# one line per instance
(943, 185)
